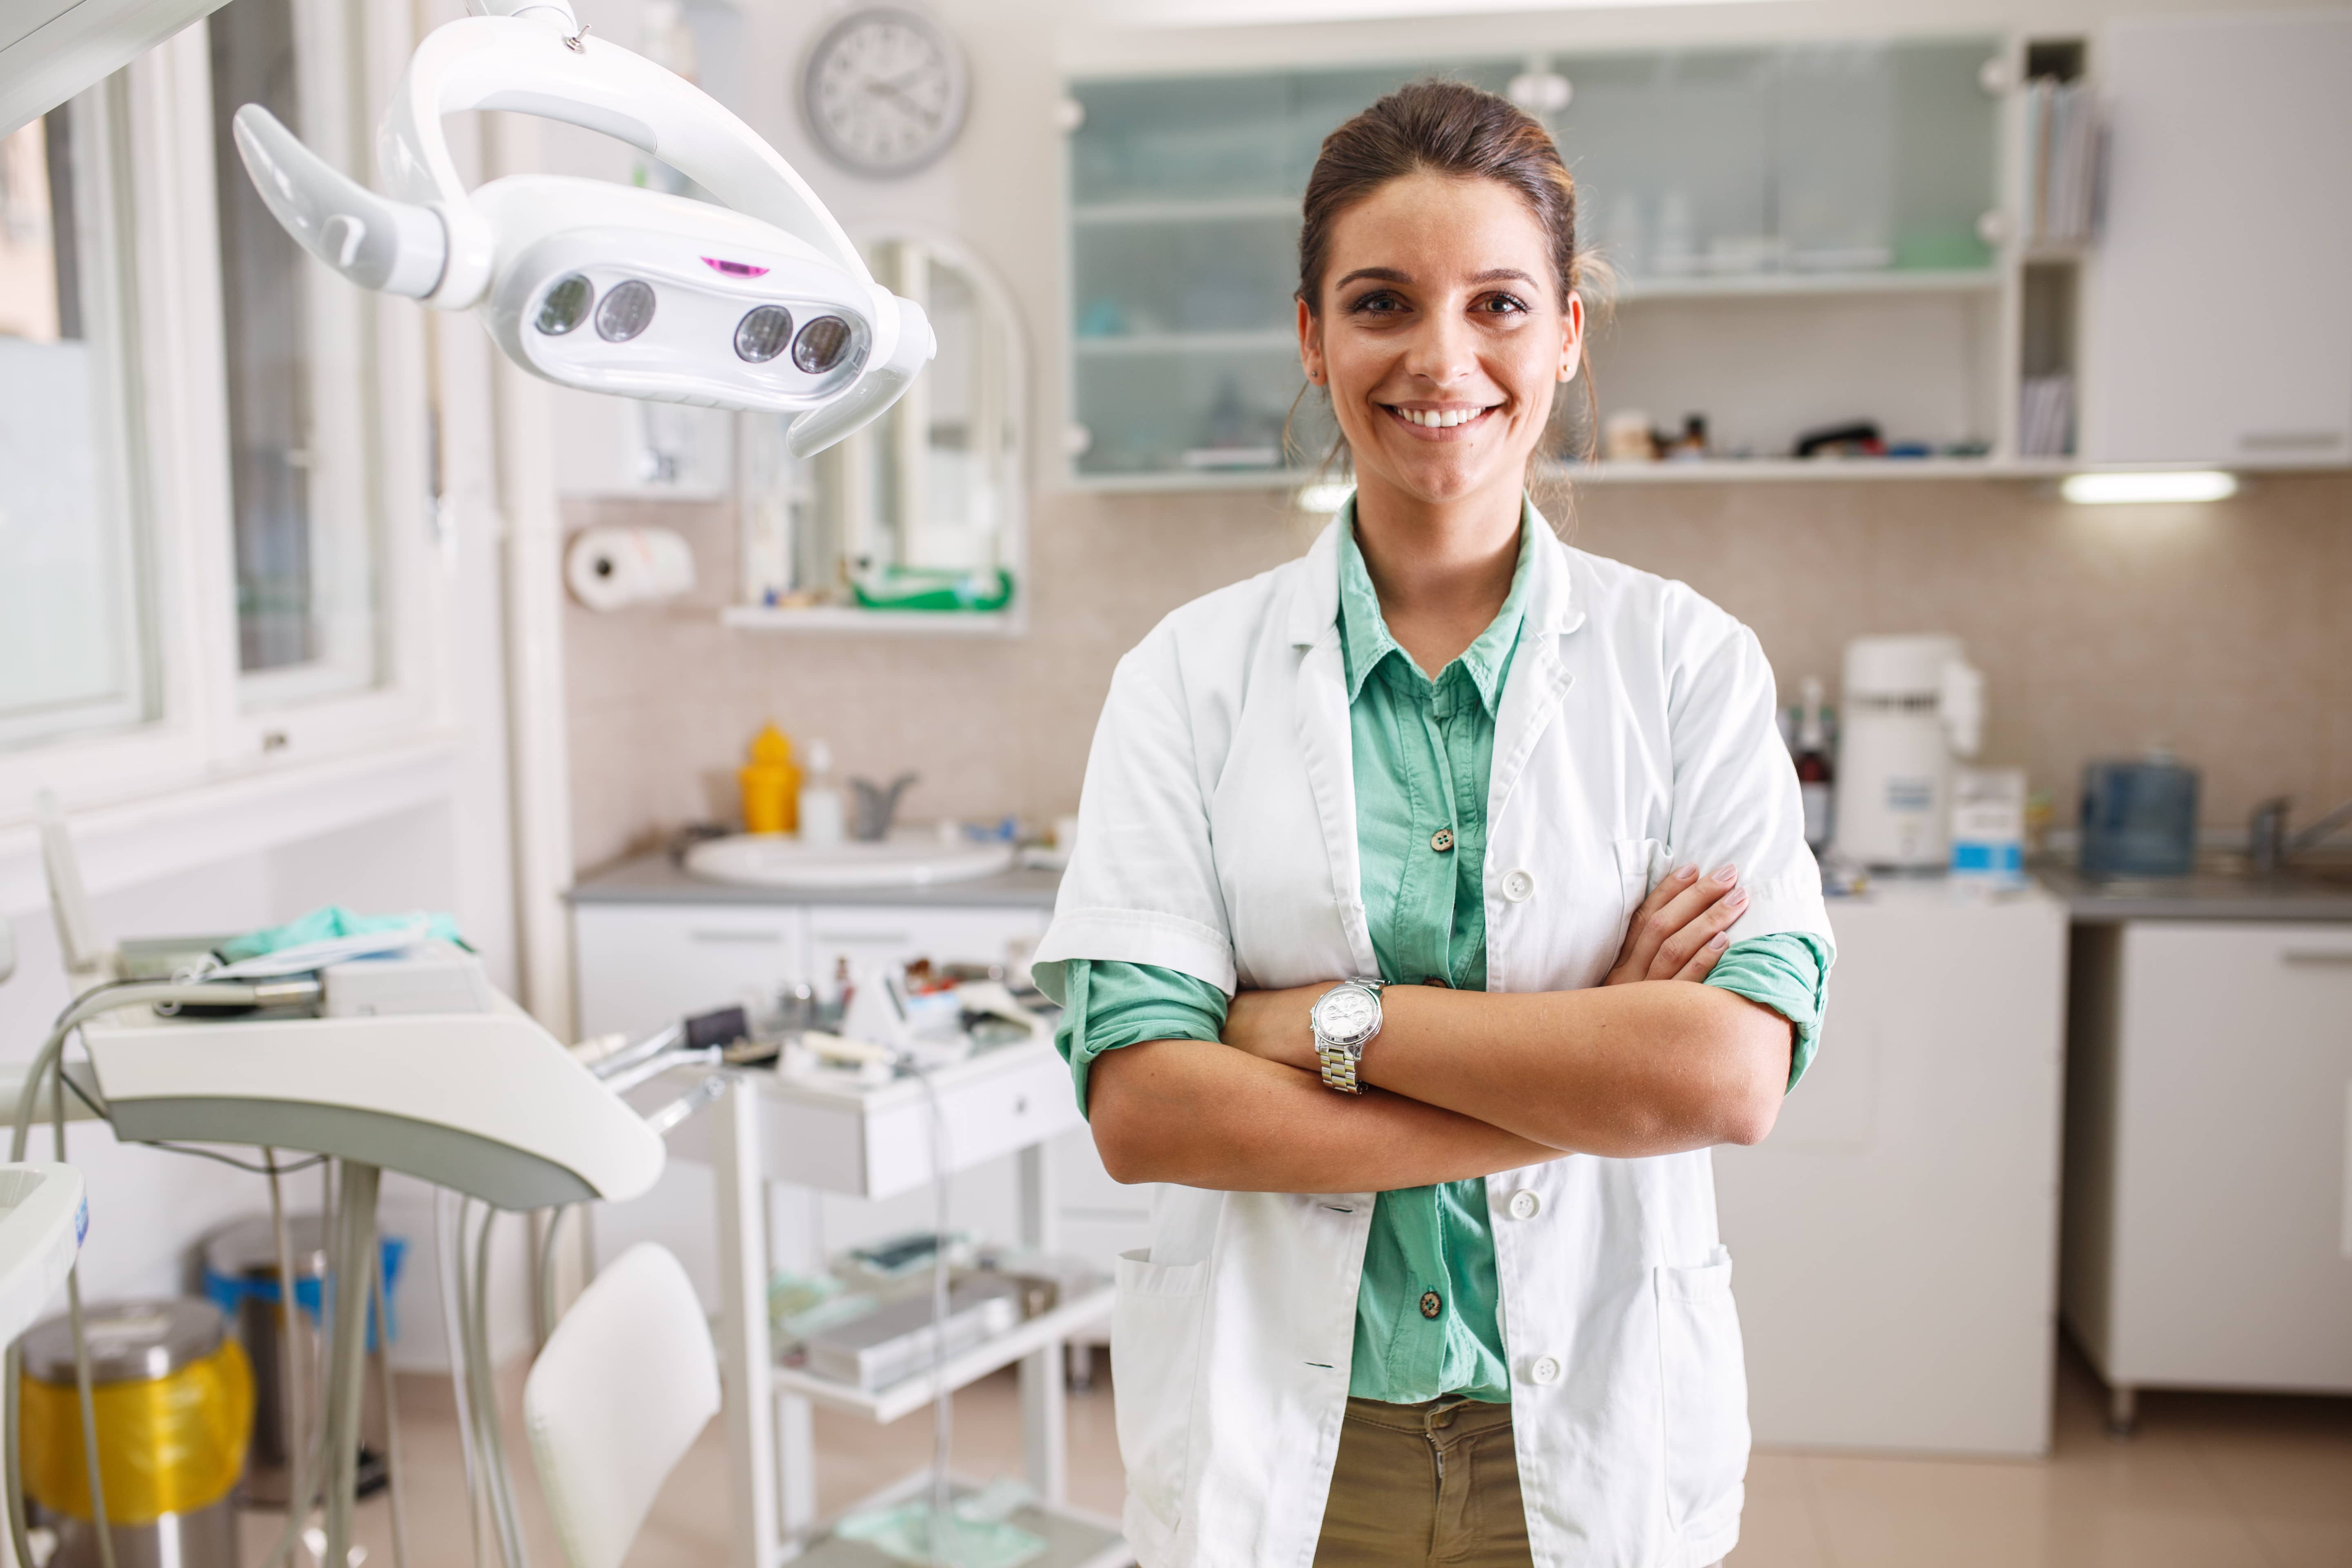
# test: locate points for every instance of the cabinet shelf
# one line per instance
(909, 1395)
(1271, 340)
(1268, 209)
(1764, 285)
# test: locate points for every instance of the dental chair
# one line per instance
(627, 1381)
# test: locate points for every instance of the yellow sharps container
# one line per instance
(174, 1403)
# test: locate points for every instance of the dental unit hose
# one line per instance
(47, 1062)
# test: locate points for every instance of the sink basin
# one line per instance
(906, 860)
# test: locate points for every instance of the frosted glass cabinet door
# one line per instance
(2217, 325)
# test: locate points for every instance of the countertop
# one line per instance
(655, 879)
(2221, 891)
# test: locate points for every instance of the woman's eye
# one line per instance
(1500, 305)
(1377, 304)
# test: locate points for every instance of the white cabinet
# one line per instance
(2208, 1197)
(1895, 1238)
(640, 966)
(2217, 326)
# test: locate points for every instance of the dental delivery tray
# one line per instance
(43, 1217)
(486, 1102)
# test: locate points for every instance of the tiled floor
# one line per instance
(2211, 1481)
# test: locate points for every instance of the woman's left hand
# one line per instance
(1275, 1026)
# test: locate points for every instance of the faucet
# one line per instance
(2268, 843)
(876, 805)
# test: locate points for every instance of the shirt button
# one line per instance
(1519, 887)
(1524, 1204)
(1442, 840)
(1430, 1305)
(1546, 1370)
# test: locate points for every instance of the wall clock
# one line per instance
(885, 91)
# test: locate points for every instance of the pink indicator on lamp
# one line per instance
(734, 269)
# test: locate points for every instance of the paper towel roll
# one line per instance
(613, 568)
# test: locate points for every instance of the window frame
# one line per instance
(207, 725)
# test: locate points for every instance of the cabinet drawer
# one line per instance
(641, 965)
(986, 1115)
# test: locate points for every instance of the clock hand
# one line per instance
(912, 105)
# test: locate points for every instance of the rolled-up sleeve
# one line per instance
(1109, 1005)
(1788, 971)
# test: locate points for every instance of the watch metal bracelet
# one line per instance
(1339, 1068)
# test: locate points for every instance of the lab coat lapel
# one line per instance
(1327, 748)
(1539, 678)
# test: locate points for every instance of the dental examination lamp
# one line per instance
(761, 304)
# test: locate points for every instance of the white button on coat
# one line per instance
(1545, 1370)
(1217, 837)
(1526, 1204)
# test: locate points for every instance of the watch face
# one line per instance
(1346, 1017)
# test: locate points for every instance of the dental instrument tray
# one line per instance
(898, 1339)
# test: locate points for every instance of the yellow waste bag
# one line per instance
(165, 1445)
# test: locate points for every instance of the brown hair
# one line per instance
(1448, 128)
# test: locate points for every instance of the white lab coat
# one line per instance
(1217, 837)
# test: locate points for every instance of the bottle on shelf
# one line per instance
(1816, 779)
(824, 817)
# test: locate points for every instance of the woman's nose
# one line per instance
(1441, 352)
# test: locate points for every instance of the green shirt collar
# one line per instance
(1364, 632)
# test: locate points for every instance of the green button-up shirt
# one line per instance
(1428, 1310)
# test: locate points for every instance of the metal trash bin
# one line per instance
(175, 1404)
(241, 1278)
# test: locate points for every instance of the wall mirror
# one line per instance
(919, 519)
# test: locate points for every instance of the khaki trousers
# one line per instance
(1430, 1484)
(1434, 1483)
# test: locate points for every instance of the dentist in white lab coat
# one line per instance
(1220, 841)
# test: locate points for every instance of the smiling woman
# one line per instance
(1499, 840)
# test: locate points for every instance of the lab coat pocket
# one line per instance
(1703, 1380)
(1155, 1356)
(1641, 864)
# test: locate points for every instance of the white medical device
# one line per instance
(761, 304)
(1911, 705)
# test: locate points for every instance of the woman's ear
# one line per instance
(1571, 344)
(1310, 344)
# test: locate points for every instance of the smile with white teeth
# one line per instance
(1439, 418)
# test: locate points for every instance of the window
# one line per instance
(292, 341)
(204, 435)
(74, 649)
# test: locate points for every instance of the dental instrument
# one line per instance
(757, 300)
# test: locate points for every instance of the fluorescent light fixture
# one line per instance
(2154, 485)
(1324, 498)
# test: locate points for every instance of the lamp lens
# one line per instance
(627, 309)
(762, 335)
(566, 305)
(822, 344)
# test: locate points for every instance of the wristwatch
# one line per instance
(1344, 1019)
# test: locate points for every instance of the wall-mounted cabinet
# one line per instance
(2007, 254)
(1832, 210)
(2217, 323)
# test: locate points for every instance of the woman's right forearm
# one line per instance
(1201, 1114)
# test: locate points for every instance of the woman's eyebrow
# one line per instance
(1377, 274)
(1497, 274)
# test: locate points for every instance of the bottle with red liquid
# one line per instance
(1816, 779)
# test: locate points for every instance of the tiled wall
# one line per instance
(2223, 630)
